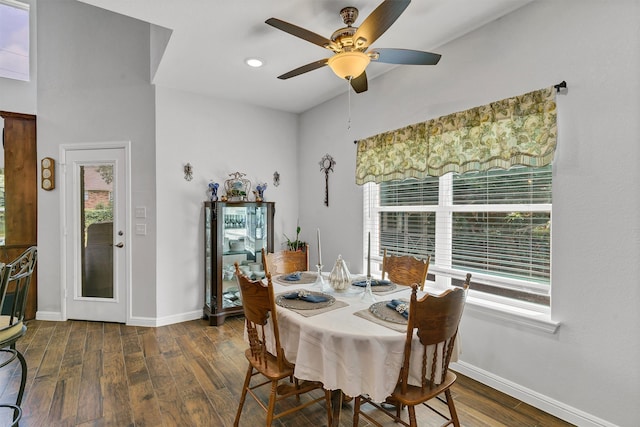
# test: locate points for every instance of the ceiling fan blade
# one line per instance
(304, 69)
(380, 20)
(405, 56)
(300, 32)
(359, 84)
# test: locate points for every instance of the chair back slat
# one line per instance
(434, 320)
(14, 286)
(438, 320)
(405, 270)
(258, 302)
(285, 262)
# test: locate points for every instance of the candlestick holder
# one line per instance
(319, 283)
(367, 295)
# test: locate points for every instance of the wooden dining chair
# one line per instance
(14, 288)
(285, 262)
(405, 269)
(261, 321)
(436, 319)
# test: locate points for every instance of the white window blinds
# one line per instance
(494, 224)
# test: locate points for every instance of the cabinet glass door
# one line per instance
(244, 236)
(208, 256)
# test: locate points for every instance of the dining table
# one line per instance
(352, 344)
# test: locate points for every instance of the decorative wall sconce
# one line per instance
(188, 172)
(47, 174)
(276, 178)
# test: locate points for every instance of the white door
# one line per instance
(95, 217)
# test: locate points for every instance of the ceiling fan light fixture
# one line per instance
(348, 64)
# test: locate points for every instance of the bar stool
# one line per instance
(14, 287)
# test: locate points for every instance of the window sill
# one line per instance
(517, 315)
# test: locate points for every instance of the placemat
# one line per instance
(309, 313)
(381, 311)
(366, 314)
(378, 289)
(305, 279)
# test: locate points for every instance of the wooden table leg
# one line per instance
(336, 406)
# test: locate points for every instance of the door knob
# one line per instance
(119, 245)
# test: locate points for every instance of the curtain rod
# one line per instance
(561, 85)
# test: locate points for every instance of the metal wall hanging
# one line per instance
(276, 178)
(326, 166)
(188, 172)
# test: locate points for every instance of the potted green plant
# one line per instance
(296, 245)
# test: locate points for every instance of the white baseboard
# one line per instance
(163, 321)
(151, 322)
(52, 316)
(533, 398)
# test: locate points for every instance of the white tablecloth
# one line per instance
(342, 350)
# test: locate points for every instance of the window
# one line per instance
(495, 225)
(14, 40)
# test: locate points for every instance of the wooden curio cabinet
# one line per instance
(233, 232)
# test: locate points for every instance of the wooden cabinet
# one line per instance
(233, 232)
(19, 210)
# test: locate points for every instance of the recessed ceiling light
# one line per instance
(254, 62)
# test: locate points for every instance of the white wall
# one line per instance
(218, 138)
(94, 86)
(588, 371)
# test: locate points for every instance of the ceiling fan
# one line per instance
(350, 44)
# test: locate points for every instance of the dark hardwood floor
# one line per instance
(187, 374)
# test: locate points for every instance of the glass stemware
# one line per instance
(367, 295)
(319, 283)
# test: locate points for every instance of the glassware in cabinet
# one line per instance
(234, 232)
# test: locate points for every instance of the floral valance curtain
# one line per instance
(514, 131)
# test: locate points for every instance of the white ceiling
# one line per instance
(212, 38)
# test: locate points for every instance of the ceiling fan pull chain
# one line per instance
(349, 92)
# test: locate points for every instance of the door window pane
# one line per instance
(97, 224)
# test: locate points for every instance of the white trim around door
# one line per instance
(116, 307)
